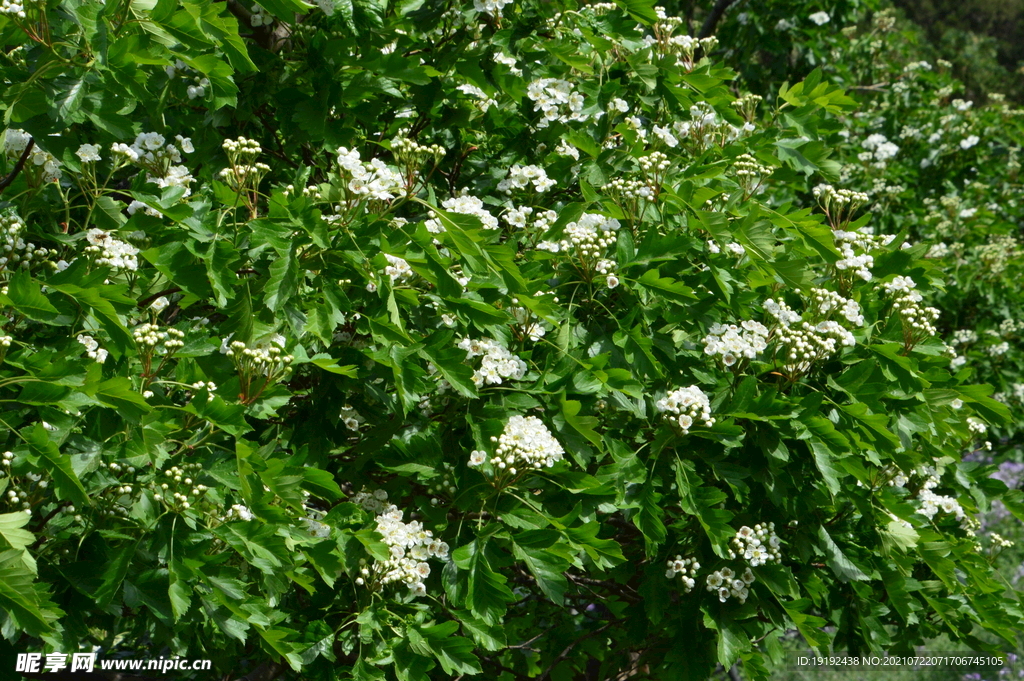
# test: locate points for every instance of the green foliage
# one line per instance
(410, 340)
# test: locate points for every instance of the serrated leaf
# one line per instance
(841, 565)
(58, 465)
(27, 298)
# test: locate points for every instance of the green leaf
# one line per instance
(641, 10)
(28, 300)
(284, 281)
(19, 597)
(179, 592)
(11, 533)
(486, 593)
(584, 425)
(118, 393)
(668, 288)
(257, 543)
(114, 573)
(455, 653)
(810, 626)
(537, 551)
(606, 553)
(331, 365)
(58, 465)
(841, 565)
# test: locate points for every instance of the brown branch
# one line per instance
(714, 17)
(565, 653)
(4, 183)
(877, 87)
(149, 299)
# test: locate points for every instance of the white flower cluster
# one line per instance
(976, 426)
(492, 7)
(239, 511)
(525, 443)
(92, 348)
(411, 546)
(466, 205)
(350, 417)
(412, 153)
(883, 149)
(588, 238)
(733, 342)
(12, 8)
(519, 217)
(14, 146)
(497, 363)
(820, 18)
(557, 100)
(932, 503)
(839, 204)
(528, 323)
(726, 584)
(88, 153)
(750, 173)
(179, 478)
(683, 406)
(654, 163)
(510, 62)
(757, 545)
(14, 250)
(260, 16)
(268, 360)
(686, 568)
(397, 269)
(373, 180)
(566, 149)
(485, 101)
(151, 152)
(375, 502)
(825, 302)
(804, 343)
(150, 335)
(312, 521)
(849, 243)
(629, 189)
(916, 319)
(706, 128)
(521, 177)
(969, 141)
(111, 251)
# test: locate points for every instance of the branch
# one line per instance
(877, 87)
(565, 653)
(149, 299)
(4, 183)
(714, 17)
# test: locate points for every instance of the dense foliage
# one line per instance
(416, 340)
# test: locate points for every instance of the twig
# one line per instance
(714, 17)
(166, 292)
(565, 653)
(4, 183)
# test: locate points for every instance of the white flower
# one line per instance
(88, 153)
(159, 304)
(969, 142)
(820, 18)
